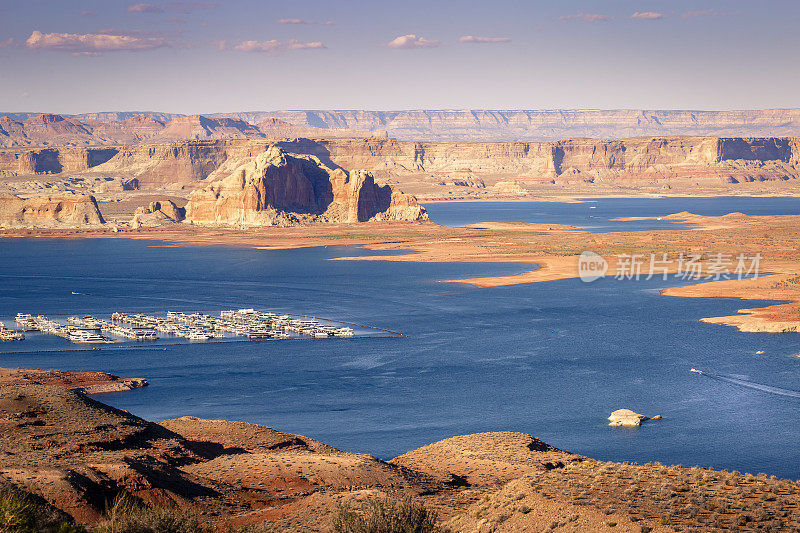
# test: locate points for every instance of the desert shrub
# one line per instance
(382, 515)
(71, 527)
(21, 513)
(16, 513)
(128, 515)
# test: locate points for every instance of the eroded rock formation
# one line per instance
(278, 188)
(69, 210)
(158, 213)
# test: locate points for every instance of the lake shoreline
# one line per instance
(516, 243)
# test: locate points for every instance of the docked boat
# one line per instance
(87, 337)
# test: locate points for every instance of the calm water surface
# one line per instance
(595, 214)
(550, 359)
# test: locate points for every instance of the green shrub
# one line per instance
(17, 514)
(71, 527)
(128, 515)
(21, 512)
(386, 516)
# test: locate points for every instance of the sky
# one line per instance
(184, 56)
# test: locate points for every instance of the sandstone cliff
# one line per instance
(277, 188)
(71, 210)
(656, 163)
(544, 125)
(643, 159)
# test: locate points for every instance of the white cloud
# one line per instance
(7, 42)
(483, 40)
(181, 6)
(407, 42)
(93, 43)
(275, 47)
(648, 15)
(145, 8)
(586, 17)
(295, 21)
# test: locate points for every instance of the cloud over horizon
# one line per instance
(295, 21)
(94, 43)
(648, 15)
(181, 6)
(411, 41)
(271, 47)
(483, 40)
(586, 17)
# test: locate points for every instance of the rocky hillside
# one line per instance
(70, 210)
(57, 130)
(277, 188)
(545, 125)
(77, 454)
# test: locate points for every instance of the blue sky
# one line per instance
(235, 55)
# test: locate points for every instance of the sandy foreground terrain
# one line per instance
(75, 454)
(547, 252)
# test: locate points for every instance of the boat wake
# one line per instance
(750, 385)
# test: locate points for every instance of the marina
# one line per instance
(10, 335)
(197, 326)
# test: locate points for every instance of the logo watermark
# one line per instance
(591, 266)
(716, 266)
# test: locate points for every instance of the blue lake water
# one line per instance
(549, 359)
(595, 214)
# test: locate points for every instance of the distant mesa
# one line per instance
(276, 188)
(95, 129)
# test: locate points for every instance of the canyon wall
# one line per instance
(638, 159)
(52, 160)
(69, 210)
(277, 188)
(188, 164)
(544, 125)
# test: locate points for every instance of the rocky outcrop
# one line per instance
(278, 188)
(83, 382)
(626, 417)
(69, 210)
(156, 214)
